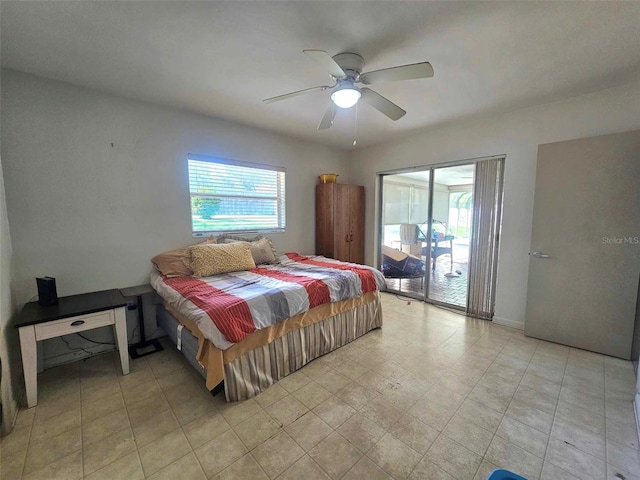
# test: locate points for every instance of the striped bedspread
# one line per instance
(229, 307)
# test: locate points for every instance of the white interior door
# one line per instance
(583, 280)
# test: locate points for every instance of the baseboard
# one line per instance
(508, 323)
(636, 408)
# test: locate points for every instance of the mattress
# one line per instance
(181, 337)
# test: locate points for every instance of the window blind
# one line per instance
(233, 196)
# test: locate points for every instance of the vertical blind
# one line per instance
(483, 252)
(232, 196)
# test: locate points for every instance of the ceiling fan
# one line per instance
(345, 69)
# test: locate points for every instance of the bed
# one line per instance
(253, 327)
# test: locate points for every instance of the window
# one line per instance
(233, 196)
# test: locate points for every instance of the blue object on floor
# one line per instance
(504, 475)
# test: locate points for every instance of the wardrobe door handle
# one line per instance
(351, 239)
(346, 238)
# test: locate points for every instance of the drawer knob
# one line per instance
(77, 323)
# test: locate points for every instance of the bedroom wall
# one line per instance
(516, 134)
(97, 184)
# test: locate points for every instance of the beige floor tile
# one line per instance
(47, 450)
(580, 438)
(271, 395)
(333, 381)
(205, 428)
(287, 410)
(238, 412)
(277, 454)
(535, 399)
(454, 458)
(103, 427)
(185, 468)
(55, 406)
(484, 470)
(511, 457)
(532, 440)
(294, 381)
(107, 450)
(460, 385)
(382, 412)
(312, 394)
(244, 469)
(623, 457)
(127, 467)
(102, 406)
(356, 395)
(540, 384)
(469, 435)
(394, 457)
(587, 419)
(220, 452)
(255, 430)
(490, 398)
(415, 434)
(92, 393)
(12, 466)
(551, 472)
(366, 468)
(66, 468)
(531, 416)
(616, 473)
(435, 415)
(427, 470)
(477, 413)
(163, 451)
(25, 417)
(146, 409)
(140, 391)
(570, 459)
(155, 428)
(362, 432)
(335, 455)
(623, 433)
(55, 425)
(193, 408)
(308, 430)
(352, 369)
(305, 468)
(316, 368)
(17, 441)
(334, 412)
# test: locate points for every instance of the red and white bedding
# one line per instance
(229, 307)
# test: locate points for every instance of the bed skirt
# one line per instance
(249, 373)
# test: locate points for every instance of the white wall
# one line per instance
(516, 134)
(97, 184)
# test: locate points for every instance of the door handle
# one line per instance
(351, 238)
(346, 238)
(539, 255)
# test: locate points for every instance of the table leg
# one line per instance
(29, 363)
(121, 338)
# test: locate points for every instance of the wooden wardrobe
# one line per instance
(340, 221)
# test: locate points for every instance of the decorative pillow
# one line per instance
(206, 260)
(170, 263)
(256, 248)
(261, 250)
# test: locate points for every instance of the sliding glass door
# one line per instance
(428, 220)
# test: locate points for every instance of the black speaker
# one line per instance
(47, 294)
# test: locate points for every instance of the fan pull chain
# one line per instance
(355, 126)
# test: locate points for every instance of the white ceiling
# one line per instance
(223, 58)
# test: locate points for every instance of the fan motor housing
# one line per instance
(351, 63)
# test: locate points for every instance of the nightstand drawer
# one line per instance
(73, 324)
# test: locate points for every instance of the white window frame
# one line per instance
(280, 196)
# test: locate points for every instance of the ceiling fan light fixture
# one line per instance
(346, 95)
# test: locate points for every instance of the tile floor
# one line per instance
(431, 395)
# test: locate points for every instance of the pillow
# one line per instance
(207, 260)
(170, 263)
(259, 251)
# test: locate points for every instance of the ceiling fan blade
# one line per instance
(327, 119)
(404, 72)
(387, 107)
(295, 94)
(328, 63)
